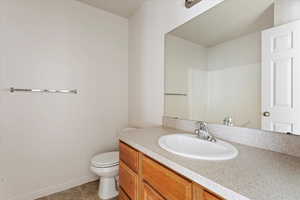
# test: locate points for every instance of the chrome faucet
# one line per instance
(203, 132)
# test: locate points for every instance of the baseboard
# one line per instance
(56, 188)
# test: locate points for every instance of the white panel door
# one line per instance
(281, 78)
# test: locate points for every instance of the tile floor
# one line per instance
(84, 192)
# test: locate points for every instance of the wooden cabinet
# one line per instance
(150, 194)
(142, 178)
(129, 156)
(128, 181)
(123, 195)
(200, 193)
(168, 183)
(208, 196)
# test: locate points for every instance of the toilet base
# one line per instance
(107, 188)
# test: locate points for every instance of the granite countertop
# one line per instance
(254, 174)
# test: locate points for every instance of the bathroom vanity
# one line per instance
(148, 172)
(141, 177)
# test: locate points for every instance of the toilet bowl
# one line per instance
(106, 166)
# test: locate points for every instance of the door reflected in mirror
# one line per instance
(216, 68)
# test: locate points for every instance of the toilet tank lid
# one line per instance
(106, 159)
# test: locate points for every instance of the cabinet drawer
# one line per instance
(129, 156)
(149, 194)
(128, 181)
(166, 182)
(122, 195)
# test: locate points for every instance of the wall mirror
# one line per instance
(232, 66)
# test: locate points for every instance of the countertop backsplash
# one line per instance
(282, 143)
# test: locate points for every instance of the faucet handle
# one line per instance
(201, 124)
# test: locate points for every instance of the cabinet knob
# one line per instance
(266, 114)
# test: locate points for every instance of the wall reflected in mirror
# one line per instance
(213, 64)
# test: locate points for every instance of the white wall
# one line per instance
(146, 55)
(286, 11)
(47, 140)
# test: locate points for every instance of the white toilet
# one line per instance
(106, 166)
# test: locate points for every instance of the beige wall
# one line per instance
(47, 140)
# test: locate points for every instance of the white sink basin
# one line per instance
(191, 146)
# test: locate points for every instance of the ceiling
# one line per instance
(123, 8)
(228, 20)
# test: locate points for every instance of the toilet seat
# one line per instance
(105, 160)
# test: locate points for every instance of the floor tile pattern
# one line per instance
(87, 191)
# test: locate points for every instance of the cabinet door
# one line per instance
(280, 78)
(169, 184)
(129, 156)
(149, 194)
(122, 195)
(208, 196)
(199, 193)
(128, 181)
